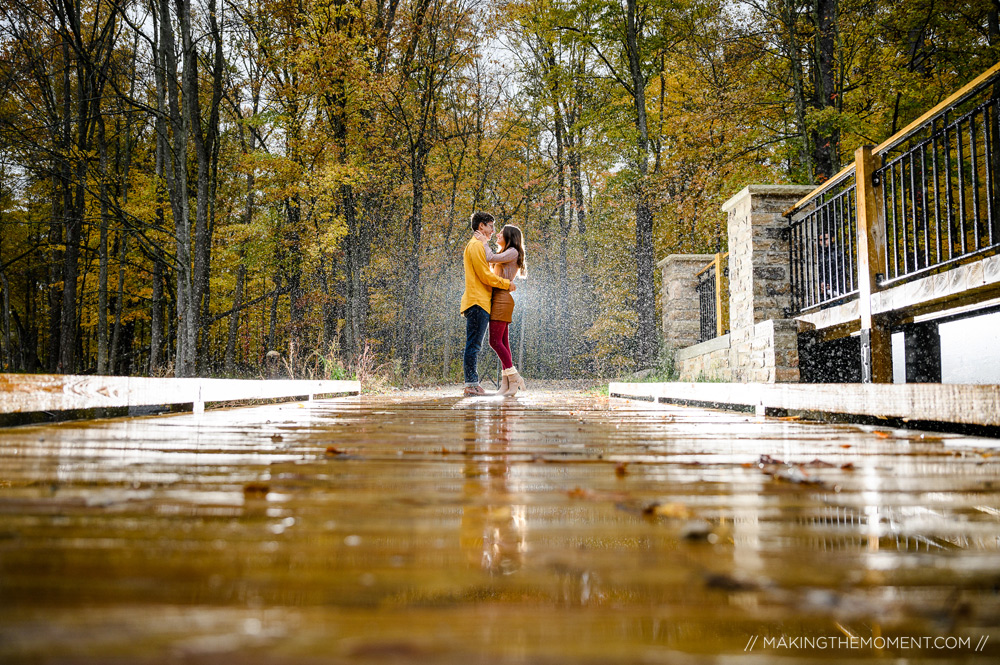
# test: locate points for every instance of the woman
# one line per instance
(508, 264)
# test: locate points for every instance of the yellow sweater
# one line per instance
(479, 280)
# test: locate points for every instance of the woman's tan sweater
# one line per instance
(504, 264)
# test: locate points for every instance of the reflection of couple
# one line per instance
(493, 530)
(487, 301)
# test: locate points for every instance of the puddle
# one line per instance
(551, 528)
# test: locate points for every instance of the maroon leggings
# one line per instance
(500, 343)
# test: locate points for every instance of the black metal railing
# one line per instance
(932, 204)
(940, 187)
(706, 304)
(823, 248)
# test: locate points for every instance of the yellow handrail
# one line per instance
(701, 272)
(712, 263)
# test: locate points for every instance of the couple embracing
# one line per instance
(487, 303)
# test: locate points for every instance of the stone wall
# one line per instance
(679, 298)
(762, 345)
(759, 284)
(708, 361)
(773, 355)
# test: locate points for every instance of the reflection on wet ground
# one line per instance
(555, 527)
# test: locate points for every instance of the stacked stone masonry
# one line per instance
(762, 344)
(708, 361)
(681, 314)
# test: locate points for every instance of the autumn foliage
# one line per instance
(186, 185)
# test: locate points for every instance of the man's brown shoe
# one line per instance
(474, 391)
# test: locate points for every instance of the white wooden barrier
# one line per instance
(26, 393)
(947, 403)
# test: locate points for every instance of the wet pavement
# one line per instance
(556, 527)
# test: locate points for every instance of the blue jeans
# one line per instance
(477, 322)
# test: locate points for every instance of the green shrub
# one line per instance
(665, 368)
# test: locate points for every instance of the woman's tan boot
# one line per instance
(504, 385)
(514, 382)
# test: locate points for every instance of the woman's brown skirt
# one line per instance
(502, 306)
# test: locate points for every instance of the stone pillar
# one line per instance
(679, 297)
(759, 282)
(773, 355)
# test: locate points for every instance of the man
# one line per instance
(475, 307)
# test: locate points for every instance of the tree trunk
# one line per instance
(5, 302)
(178, 185)
(645, 300)
(290, 253)
(993, 20)
(357, 241)
(6, 357)
(790, 20)
(28, 336)
(412, 315)
(54, 277)
(328, 305)
(162, 147)
(273, 324)
(446, 356)
(993, 23)
(296, 311)
(579, 204)
(206, 301)
(119, 304)
(71, 269)
(234, 319)
(192, 111)
(357, 254)
(156, 318)
(576, 180)
(826, 140)
(92, 51)
(102, 278)
(66, 207)
(565, 225)
(205, 149)
(565, 217)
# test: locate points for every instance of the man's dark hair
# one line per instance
(479, 218)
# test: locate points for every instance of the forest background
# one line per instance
(186, 185)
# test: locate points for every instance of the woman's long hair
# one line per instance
(512, 238)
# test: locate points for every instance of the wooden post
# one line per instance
(876, 345)
(721, 296)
